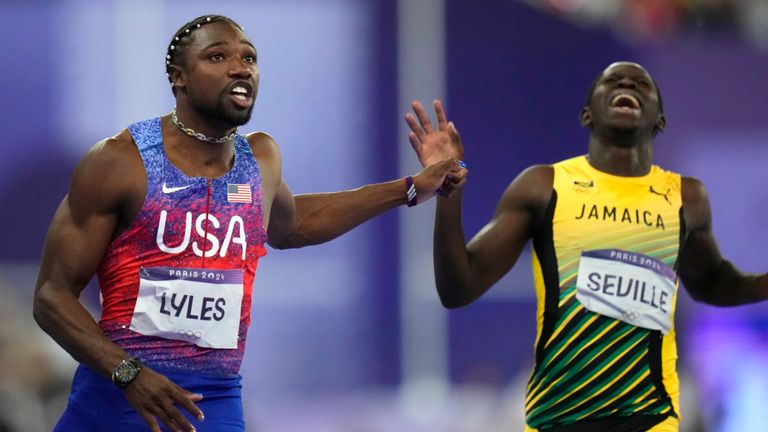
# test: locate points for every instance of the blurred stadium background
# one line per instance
(349, 336)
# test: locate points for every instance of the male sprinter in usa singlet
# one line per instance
(173, 215)
(611, 233)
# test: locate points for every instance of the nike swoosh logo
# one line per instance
(167, 190)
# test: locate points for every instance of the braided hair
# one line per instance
(175, 52)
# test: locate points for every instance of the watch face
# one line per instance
(125, 373)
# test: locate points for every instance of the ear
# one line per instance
(178, 78)
(661, 123)
(585, 118)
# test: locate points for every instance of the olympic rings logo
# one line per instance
(191, 334)
(581, 190)
(630, 315)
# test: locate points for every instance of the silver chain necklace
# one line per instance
(191, 132)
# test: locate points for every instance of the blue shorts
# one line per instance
(96, 405)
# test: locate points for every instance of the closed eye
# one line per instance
(611, 79)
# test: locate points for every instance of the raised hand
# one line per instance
(432, 145)
(155, 397)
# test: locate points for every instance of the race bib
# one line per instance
(630, 287)
(200, 306)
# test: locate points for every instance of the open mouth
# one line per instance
(242, 94)
(625, 102)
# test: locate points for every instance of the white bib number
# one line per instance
(630, 287)
(200, 306)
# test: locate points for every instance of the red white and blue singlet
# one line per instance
(176, 290)
(176, 285)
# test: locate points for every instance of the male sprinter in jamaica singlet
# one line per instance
(173, 215)
(604, 275)
(612, 234)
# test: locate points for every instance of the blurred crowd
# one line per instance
(656, 20)
(34, 373)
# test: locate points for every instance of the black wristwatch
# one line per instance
(126, 372)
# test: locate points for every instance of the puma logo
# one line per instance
(665, 194)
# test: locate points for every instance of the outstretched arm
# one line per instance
(303, 220)
(464, 271)
(308, 219)
(707, 276)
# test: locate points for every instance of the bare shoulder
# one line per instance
(110, 173)
(267, 154)
(119, 150)
(262, 144)
(532, 188)
(693, 190)
(537, 176)
(696, 208)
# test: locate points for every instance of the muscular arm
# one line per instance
(463, 272)
(77, 239)
(707, 276)
(302, 220)
(105, 187)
